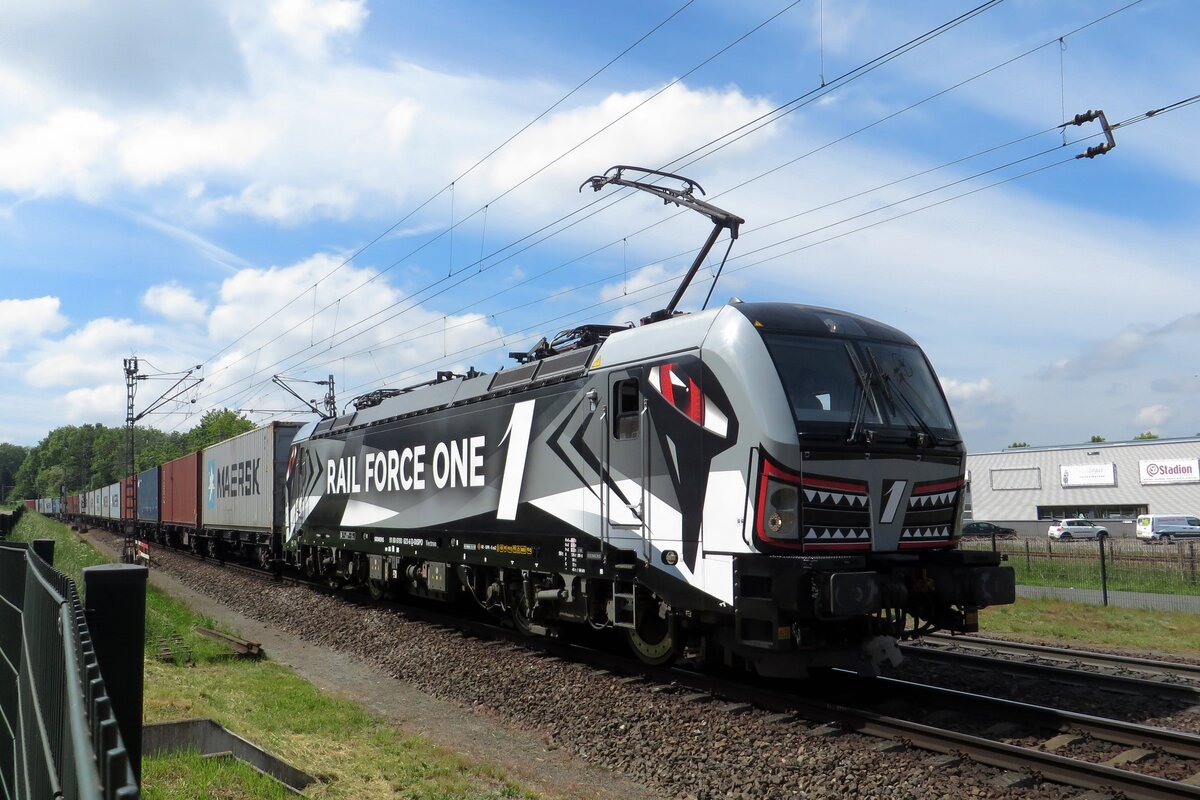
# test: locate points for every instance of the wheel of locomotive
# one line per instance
(310, 563)
(376, 588)
(656, 638)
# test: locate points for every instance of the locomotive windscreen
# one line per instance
(842, 385)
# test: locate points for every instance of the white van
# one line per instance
(1165, 527)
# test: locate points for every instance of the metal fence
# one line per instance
(1120, 572)
(58, 734)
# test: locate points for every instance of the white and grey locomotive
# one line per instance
(770, 485)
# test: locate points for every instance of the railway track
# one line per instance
(1153, 669)
(1021, 739)
(1108, 672)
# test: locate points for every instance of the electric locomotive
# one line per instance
(767, 485)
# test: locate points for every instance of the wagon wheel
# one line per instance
(264, 557)
(376, 588)
(656, 638)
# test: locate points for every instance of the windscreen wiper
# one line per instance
(886, 383)
(860, 402)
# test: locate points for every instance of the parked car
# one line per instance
(1165, 527)
(986, 530)
(1076, 529)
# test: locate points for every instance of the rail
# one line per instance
(59, 731)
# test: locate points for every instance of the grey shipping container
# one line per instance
(147, 495)
(241, 486)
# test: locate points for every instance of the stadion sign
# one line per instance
(1171, 470)
(1088, 475)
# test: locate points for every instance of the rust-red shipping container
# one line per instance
(30, 504)
(72, 504)
(129, 498)
(181, 491)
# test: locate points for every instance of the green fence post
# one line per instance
(1103, 572)
(1028, 559)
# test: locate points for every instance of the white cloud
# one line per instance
(156, 148)
(68, 151)
(93, 403)
(967, 391)
(979, 409)
(23, 321)
(89, 355)
(174, 302)
(311, 23)
(284, 203)
(1153, 416)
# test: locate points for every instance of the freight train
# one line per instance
(769, 486)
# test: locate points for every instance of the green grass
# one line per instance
(190, 776)
(1130, 566)
(353, 753)
(1176, 632)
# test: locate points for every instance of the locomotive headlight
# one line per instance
(781, 511)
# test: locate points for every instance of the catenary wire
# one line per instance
(843, 79)
(460, 176)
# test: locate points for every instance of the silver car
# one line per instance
(1067, 529)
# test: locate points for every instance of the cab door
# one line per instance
(624, 494)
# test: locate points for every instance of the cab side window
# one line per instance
(627, 407)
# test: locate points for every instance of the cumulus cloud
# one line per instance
(311, 23)
(350, 322)
(979, 409)
(175, 302)
(93, 403)
(23, 321)
(88, 355)
(65, 152)
(1153, 416)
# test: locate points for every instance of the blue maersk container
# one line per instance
(147, 496)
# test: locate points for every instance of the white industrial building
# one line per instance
(1102, 481)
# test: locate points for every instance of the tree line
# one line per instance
(79, 458)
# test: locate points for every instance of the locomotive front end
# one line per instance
(855, 487)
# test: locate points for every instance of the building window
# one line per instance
(1012, 479)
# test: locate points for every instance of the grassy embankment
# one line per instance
(1086, 626)
(353, 753)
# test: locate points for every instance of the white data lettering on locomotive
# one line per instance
(444, 465)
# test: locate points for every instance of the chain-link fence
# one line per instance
(1121, 572)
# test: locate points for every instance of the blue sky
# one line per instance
(193, 184)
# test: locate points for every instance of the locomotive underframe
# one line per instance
(789, 614)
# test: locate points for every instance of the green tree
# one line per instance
(1146, 435)
(11, 456)
(1019, 444)
(26, 477)
(216, 426)
(1097, 439)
